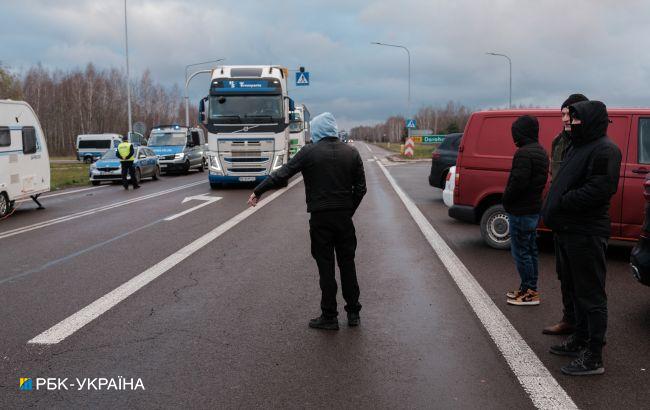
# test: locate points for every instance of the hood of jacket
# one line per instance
(323, 126)
(525, 130)
(593, 115)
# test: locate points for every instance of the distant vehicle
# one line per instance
(299, 130)
(640, 259)
(108, 168)
(247, 117)
(448, 193)
(443, 158)
(179, 148)
(485, 158)
(343, 136)
(90, 147)
(24, 160)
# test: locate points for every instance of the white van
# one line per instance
(24, 161)
(91, 147)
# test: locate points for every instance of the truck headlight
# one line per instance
(180, 155)
(278, 161)
(214, 163)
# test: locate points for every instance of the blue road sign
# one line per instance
(302, 79)
(411, 123)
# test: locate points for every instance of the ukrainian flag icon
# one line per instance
(25, 384)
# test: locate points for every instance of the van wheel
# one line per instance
(88, 160)
(156, 174)
(95, 182)
(495, 227)
(4, 205)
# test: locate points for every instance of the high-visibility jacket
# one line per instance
(125, 151)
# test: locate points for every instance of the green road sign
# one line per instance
(433, 139)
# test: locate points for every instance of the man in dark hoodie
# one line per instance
(522, 200)
(577, 210)
(559, 148)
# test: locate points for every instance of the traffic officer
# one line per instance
(126, 154)
(335, 184)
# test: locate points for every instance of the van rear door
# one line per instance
(635, 168)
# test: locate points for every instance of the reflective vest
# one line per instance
(124, 149)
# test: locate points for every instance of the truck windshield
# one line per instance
(167, 138)
(236, 109)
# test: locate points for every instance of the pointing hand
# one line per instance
(253, 200)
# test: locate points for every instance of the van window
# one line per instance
(29, 140)
(94, 144)
(644, 141)
(5, 137)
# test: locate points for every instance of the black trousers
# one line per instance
(127, 167)
(568, 310)
(584, 266)
(333, 232)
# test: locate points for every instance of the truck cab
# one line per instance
(300, 132)
(179, 148)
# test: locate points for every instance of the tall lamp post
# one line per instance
(128, 79)
(409, 59)
(187, 82)
(510, 76)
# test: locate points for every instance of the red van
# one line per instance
(485, 157)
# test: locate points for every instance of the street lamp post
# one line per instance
(510, 75)
(187, 82)
(128, 79)
(409, 75)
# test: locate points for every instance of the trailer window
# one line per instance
(29, 140)
(5, 137)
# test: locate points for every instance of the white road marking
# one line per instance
(534, 377)
(368, 146)
(205, 197)
(70, 325)
(63, 193)
(92, 211)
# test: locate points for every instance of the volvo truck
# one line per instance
(247, 116)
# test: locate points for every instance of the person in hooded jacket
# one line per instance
(577, 210)
(559, 148)
(522, 200)
(335, 184)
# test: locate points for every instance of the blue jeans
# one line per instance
(523, 245)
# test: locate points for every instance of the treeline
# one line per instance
(440, 120)
(88, 101)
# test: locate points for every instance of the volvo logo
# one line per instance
(245, 129)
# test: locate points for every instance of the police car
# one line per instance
(107, 168)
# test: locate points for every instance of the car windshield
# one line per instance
(246, 109)
(110, 154)
(167, 138)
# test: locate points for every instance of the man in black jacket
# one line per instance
(559, 148)
(522, 200)
(577, 210)
(335, 184)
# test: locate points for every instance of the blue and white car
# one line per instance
(108, 168)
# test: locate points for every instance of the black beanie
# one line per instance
(573, 98)
(525, 129)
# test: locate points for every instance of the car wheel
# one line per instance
(4, 205)
(138, 176)
(202, 167)
(156, 173)
(186, 168)
(88, 160)
(95, 182)
(495, 227)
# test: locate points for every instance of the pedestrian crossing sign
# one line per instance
(302, 79)
(411, 124)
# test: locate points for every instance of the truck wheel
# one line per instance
(88, 160)
(156, 174)
(495, 227)
(4, 205)
(95, 182)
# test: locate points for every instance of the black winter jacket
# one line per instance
(579, 198)
(523, 193)
(333, 172)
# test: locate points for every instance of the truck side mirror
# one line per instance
(202, 116)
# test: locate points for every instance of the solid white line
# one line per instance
(537, 381)
(63, 193)
(194, 208)
(92, 211)
(368, 146)
(70, 325)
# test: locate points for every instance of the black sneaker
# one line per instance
(322, 322)
(136, 187)
(585, 365)
(570, 347)
(353, 319)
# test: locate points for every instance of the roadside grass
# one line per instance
(67, 175)
(421, 151)
(64, 158)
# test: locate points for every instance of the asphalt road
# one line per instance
(224, 322)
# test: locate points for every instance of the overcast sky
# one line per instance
(598, 47)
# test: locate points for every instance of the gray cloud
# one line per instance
(557, 47)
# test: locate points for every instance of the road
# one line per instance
(210, 308)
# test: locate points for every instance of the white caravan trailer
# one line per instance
(24, 161)
(91, 147)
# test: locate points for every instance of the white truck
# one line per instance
(299, 129)
(24, 160)
(247, 118)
